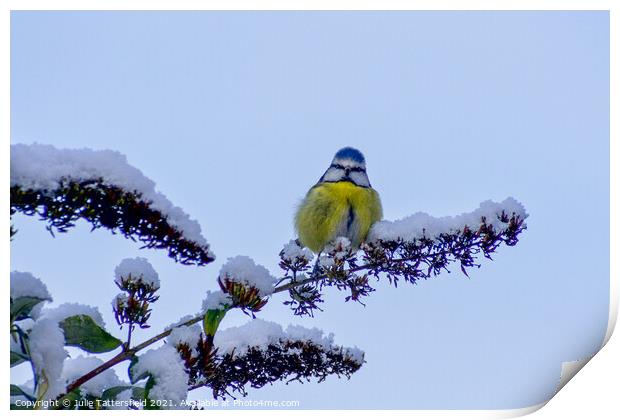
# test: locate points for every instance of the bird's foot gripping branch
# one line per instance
(63, 186)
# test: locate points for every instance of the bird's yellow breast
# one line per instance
(333, 209)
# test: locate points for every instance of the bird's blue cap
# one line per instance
(350, 153)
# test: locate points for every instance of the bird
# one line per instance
(341, 204)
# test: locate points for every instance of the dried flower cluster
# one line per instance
(347, 269)
(287, 360)
(244, 297)
(132, 306)
(110, 207)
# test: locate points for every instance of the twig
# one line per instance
(124, 355)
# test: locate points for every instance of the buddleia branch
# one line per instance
(111, 207)
(396, 259)
(285, 360)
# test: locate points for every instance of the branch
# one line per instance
(124, 355)
(421, 256)
(287, 359)
(127, 354)
(111, 207)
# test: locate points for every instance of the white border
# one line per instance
(593, 380)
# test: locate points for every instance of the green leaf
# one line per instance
(68, 401)
(15, 391)
(132, 378)
(142, 393)
(138, 393)
(21, 307)
(81, 331)
(21, 407)
(112, 393)
(212, 320)
(17, 358)
(150, 405)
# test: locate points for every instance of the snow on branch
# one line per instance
(260, 353)
(417, 247)
(64, 185)
(248, 284)
(423, 226)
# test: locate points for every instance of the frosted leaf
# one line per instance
(123, 401)
(25, 284)
(168, 370)
(66, 310)
(46, 341)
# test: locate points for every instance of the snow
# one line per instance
(255, 333)
(259, 333)
(168, 370)
(64, 311)
(215, 300)
(80, 365)
(244, 270)
(120, 300)
(183, 319)
(338, 248)
(25, 284)
(315, 335)
(188, 334)
(43, 167)
(421, 225)
(138, 268)
(354, 353)
(48, 354)
(292, 251)
(123, 401)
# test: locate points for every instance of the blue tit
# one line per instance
(341, 204)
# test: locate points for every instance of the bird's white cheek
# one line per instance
(333, 175)
(360, 178)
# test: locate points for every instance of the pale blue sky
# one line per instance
(236, 114)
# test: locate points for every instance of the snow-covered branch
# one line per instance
(260, 353)
(64, 185)
(415, 248)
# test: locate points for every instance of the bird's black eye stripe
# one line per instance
(354, 169)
